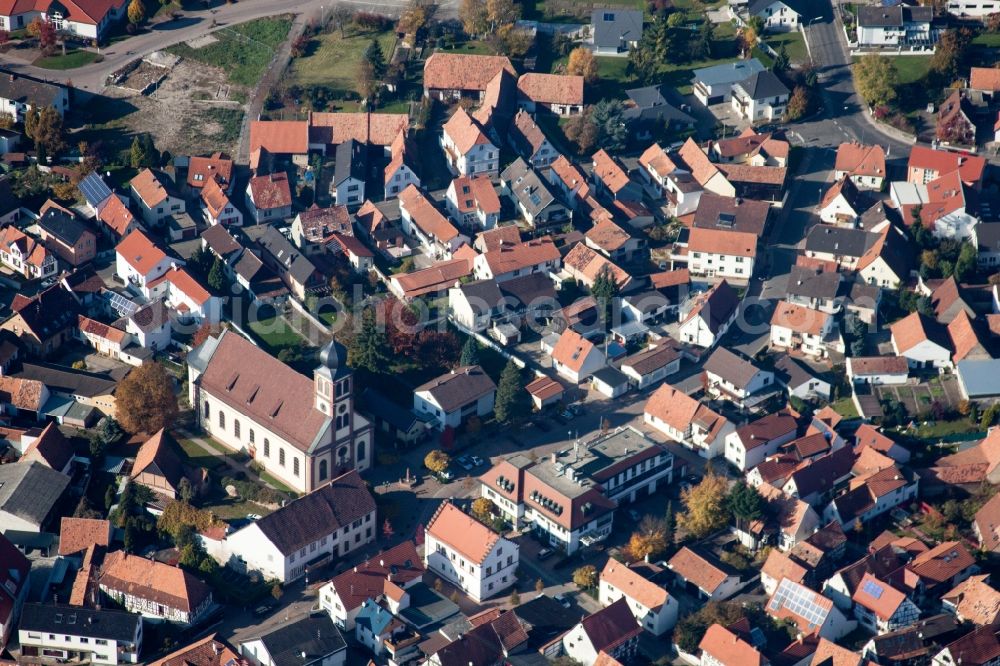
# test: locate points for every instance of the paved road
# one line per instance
(195, 24)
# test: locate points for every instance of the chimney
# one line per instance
(13, 76)
(553, 456)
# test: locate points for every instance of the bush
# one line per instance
(252, 492)
(371, 21)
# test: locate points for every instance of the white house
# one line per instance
(941, 203)
(399, 173)
(76, 633)
(721, 647)
(721, 253)
(154, 589)
(243, 399)
(685, 420)
(398, 568)
(922, 341)
(331, 521)
(19, 93)
(467, 148)
(877, 370)
(654, 609)
(795, 327)
(472, 202)
(808, 610)
(310, 641)
(452, 398)
(714, 85)
(972, 9)
(139, 261)
(900, 26)
(468, 554)
(650, 366)
(843, 203)
(865, 165)
(666, 180)
(778, 15)
(576, 358)
(347, 187)
(612, 630)
(880, 607)
(736, 379)
(539, 255)
(760, 97)
(703, 575)
(156, 201)
(707, 316)
(422, 221)
(750, 444)
(268, 197)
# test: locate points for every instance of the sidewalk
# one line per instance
(234, 465)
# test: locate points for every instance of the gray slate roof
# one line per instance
(289, 257)
(304, 642)
(30, 491)
(459, 387)
(838, 240)
(350, 162)
(732, 72)
(807, 283)
(27, 89)
(613, 26)
(112, 625)
(528, 188)
(874, 16)
(62, 226)
(762, 85)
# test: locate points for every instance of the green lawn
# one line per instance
(989, 39)
(939, 429)
(795, 46)
(220, 126)
(72, 60)
(276, 483)
(471, 47)
(911, 68)
(275, 332)
(333, 60)
(243, 50)
(574, 11)
(198, 456)
(845, 407)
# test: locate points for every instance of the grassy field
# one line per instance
(199, 457)
(274, 331)
(243, 50)
(72, 60)
(333, 61)
(573, 11)
(795, 46)
(220, 125)
(989, 39)
(845, 407)
(911, 68)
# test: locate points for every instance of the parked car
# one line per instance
(477, 461)
(545, 553)
(263, 609)
(562, 600)
(634, 515)
(447, 475)
(465, 463)
(254, 516)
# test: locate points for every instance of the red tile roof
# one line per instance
(271, 191)
(463, 533)
(140, 252)
(280, 137)
(459, 71)
(861, 160)
(551, 88)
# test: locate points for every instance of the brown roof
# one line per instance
(611, 626)
(492, 239)
(633, 585)
(218, 168)
(731, 214)
(984, 78)
(590, 264)
(157, 456)
(861, 160)
(425, 215)
(368, 580)
(264, 389)
(722, 241)
(980, 646)
(208, 651)
(215, 198)
(656, 160)
(701, 168)
(280, 137)
(476, 193)
(698, 569)
(464, 132)
(572, 350)
(271, 191)
(50, 448)
(440, 276)
(767, 428)
(975, 600)
(829, 653)
(729, 649)
(525, 128)
(116, 215)
(153, 581)
(459, 71)
(88, 325)
(77, 534)
(915, 328)
(779, 565)
(649, 360)
(607, 235)
(544, 388)
(462, 532)
(609, 172)
(878, 365)
(747, 173)
(380, 129)
(22, 393)
(510, 258)
(148, 187)
(884, 603)
(942, 562)
(670, 278)
(551, 88)
(964, 337)
(799, 318)
(458, 387)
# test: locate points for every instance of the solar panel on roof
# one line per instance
(873, 589)
(94, 189)
(800, 601)
(122, 306)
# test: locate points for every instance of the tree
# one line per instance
(136, 12)
(669, 524)
(756, 23)
(798, 104)
(745, 503)
(366, 82)
(373, 54)
(608, 116)
(876, 79)
(748, 40)
(109, 497)
(585, 577)
(701, 48)
(511, 399)
(341, 18)
(965, 265)
(704, 506)
(582, 63)
(217, 276)
(648, 541)
(473, 15)
(45, 127)
(642, 64)
(515, 598)
(989, 416)
(470, 352)
(413, 19)
(185, 490)
(539, 586)
(950, 54)
(146, 401)
(139, 156)
(368, 347)
(276, 591)
(781, 62)
(6, 120)
(45, 32)
(483, 509)
(500, 14)
(581, 130)
(692, 627)
(179, 516)
(437, 461)
(604, 290)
